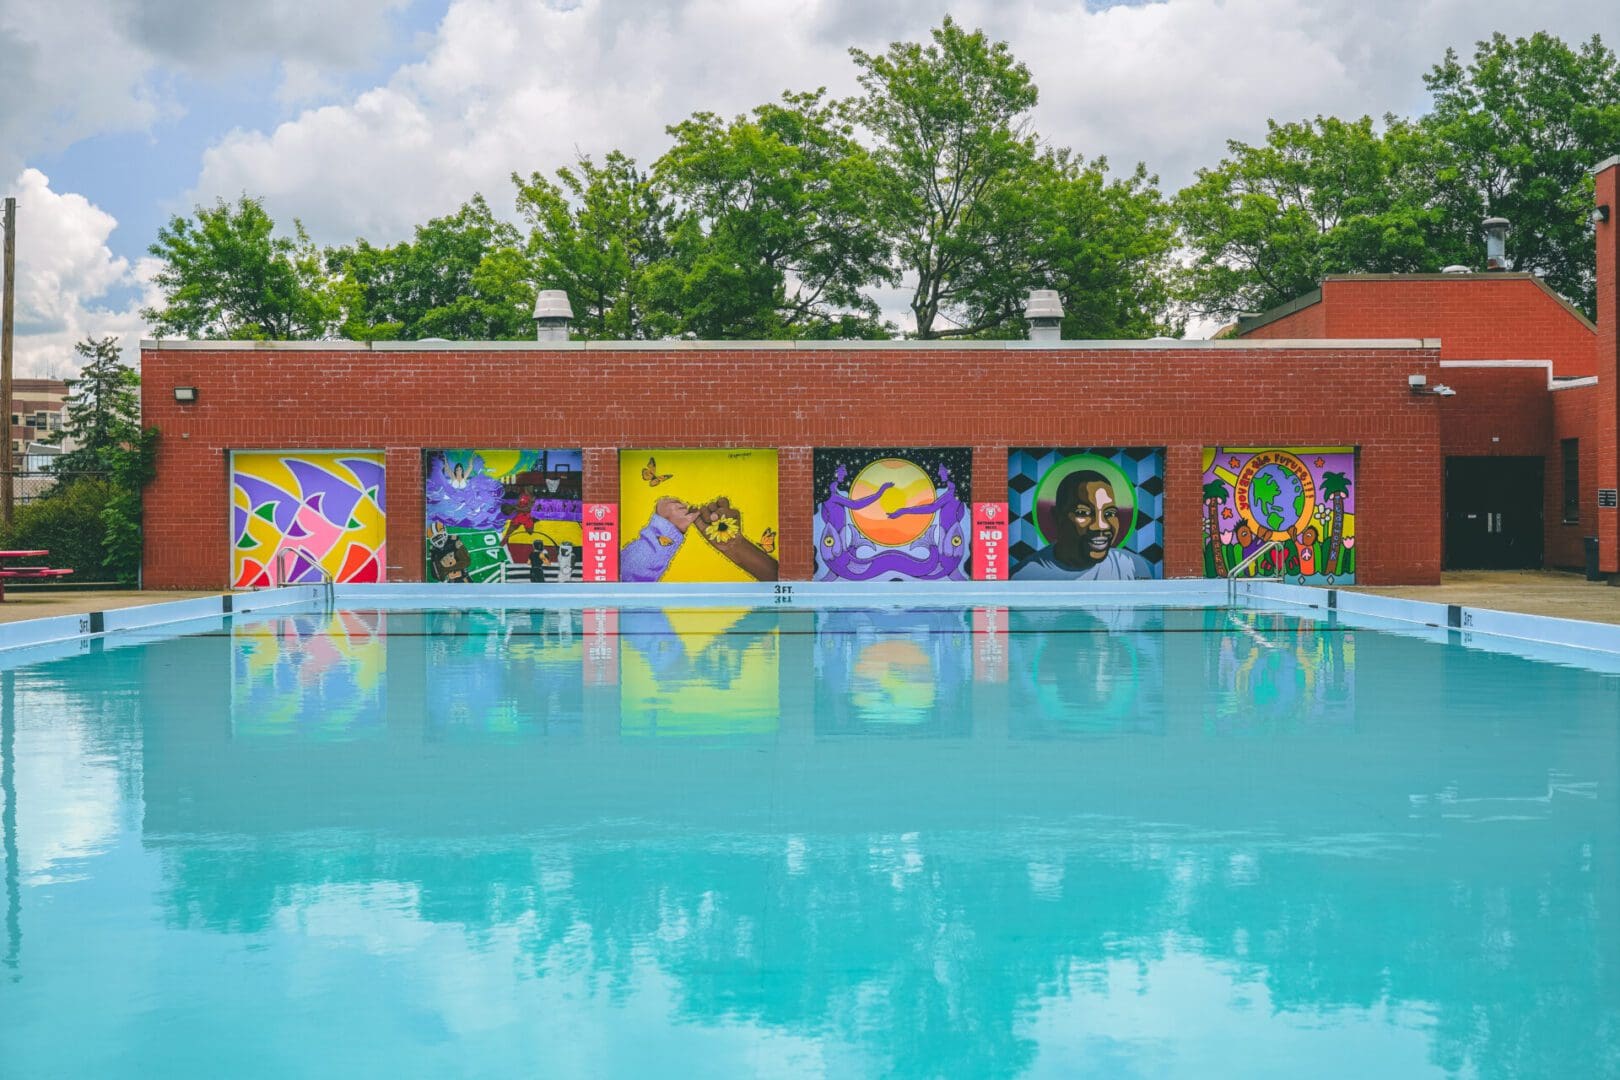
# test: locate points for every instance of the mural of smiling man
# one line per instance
(1086, 514)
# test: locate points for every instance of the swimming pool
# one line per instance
(1112, 840)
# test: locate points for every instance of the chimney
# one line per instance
(1496, 231)
(552, 313)
(1606, 227)
(1045, 314)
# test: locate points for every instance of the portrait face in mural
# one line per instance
(1301, 499)
(1084, 509)
(892, 515)
(710, 515)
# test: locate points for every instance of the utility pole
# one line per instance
(8, 314)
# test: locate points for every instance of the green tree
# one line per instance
(103, 409)
(226, 274)
(1107, 245)
(952, 133)
(599, 232)
(1316, 198)
(1522, 123)
(781, 235)
(432, 284)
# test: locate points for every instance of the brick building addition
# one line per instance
(1529, 440)
(1512, 466)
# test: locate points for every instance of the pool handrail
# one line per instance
(329, 584)
(1254, 557)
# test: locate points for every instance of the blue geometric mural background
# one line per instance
(1142, 466)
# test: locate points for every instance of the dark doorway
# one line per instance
(1494, 507)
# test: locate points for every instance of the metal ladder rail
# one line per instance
(1254, 557)
(328, 583)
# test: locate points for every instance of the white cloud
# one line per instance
(67, 277)
(76, 68)
(512, 85)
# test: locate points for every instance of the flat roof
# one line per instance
(1133, 345)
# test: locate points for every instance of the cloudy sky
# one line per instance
(364, 117)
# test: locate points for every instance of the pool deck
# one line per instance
(1552, 593)
(1529, 592)
(40, 605)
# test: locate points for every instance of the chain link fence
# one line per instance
(31, 485)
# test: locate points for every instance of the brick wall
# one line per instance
(792, 399)
(1476, 317)
(1575, 416)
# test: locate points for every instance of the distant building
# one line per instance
(38, 409)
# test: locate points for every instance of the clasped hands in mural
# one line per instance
(721, 525)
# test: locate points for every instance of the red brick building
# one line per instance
(1535, 410)
(1335, 370)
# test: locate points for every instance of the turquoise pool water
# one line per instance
(1113, 843)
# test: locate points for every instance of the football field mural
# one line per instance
(892, 515)
(503, 515)
(328, 506)
(698, 515)
(1303, 497)
(1083, 514)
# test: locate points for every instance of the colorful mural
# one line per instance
(892, 515)
(698, 515)
(1303, 497)
(329, 506)
(1086, 514)
(503, 515)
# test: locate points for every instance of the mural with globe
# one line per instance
(892, 515)
(1302, 497)
(1086, 513)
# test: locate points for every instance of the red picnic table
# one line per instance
(25, 573)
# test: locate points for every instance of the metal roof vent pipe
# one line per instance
(552, 314)
(1045, 314)
(1496, 232)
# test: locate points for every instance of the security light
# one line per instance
(1600, 213)
(185, 395)
(1417, 382)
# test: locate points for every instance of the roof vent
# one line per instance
(1496, 232)
(552, 314)
(1456, 268)
(1045, 314)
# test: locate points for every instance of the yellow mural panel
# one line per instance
(698, 515)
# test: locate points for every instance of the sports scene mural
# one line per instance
(698, 515)
(503, 515)
(892, 515)
(326, 507)
(1303, 497)
(1086, 514)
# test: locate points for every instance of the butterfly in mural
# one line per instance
(767, 541)
(649, 473)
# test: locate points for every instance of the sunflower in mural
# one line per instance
(723, 530)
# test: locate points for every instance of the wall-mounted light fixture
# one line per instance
(1419, 384)
(1600, 213)
(185, 395)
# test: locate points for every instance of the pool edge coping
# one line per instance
(1469, 621)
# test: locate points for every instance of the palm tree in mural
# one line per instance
(1336, 488)
(1214, 497)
